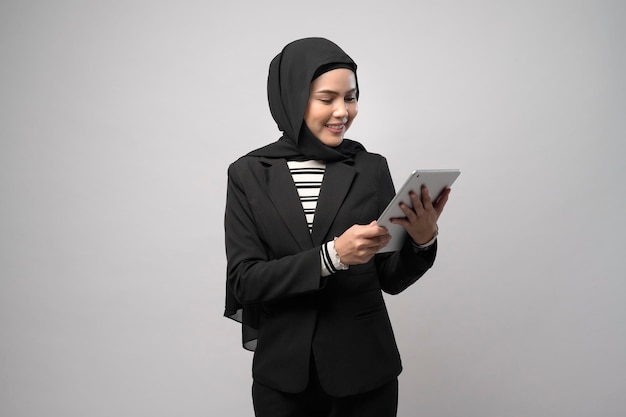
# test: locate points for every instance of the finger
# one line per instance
(373, 229)
(416, 201)
(375, 239)
(373, 234)
(442, 200)
(426, 200)
(379, 242)
(380, 230)
(371, 246)
(400, 221)
(382, 245)
(409, 212)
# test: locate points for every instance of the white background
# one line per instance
(118, 120)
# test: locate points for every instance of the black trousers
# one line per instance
(314, 402)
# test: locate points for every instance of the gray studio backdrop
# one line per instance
(118, 121)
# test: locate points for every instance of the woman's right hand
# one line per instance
(359, 243)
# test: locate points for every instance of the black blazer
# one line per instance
(274, 266)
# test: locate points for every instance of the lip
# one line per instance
(336, 128)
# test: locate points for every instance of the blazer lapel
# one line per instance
(285, 198)
(335, 186)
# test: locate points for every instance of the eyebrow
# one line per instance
(334, 92)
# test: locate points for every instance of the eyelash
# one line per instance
(347, 99)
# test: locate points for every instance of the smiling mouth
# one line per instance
(335, 127)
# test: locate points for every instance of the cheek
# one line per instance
(314, 112)
(353, 110)
(310, 115)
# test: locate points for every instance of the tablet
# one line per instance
(436, 180)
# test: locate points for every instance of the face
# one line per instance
(332, 105)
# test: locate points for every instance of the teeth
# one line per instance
(335, 126)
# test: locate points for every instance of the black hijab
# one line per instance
(288, 85)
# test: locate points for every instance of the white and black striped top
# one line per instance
(308, 176)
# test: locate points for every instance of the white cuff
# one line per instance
(429, 243)
(330, 259)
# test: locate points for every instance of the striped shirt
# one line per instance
(308, 176)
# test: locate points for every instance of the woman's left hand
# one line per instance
(421, 220)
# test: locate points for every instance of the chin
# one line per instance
(332, 142)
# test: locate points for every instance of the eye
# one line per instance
(326, 100)
(350, 99)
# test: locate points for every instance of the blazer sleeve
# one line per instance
(399, 270)
(254, 275)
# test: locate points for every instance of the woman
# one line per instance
(304, 275)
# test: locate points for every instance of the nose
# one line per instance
(341, 111)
